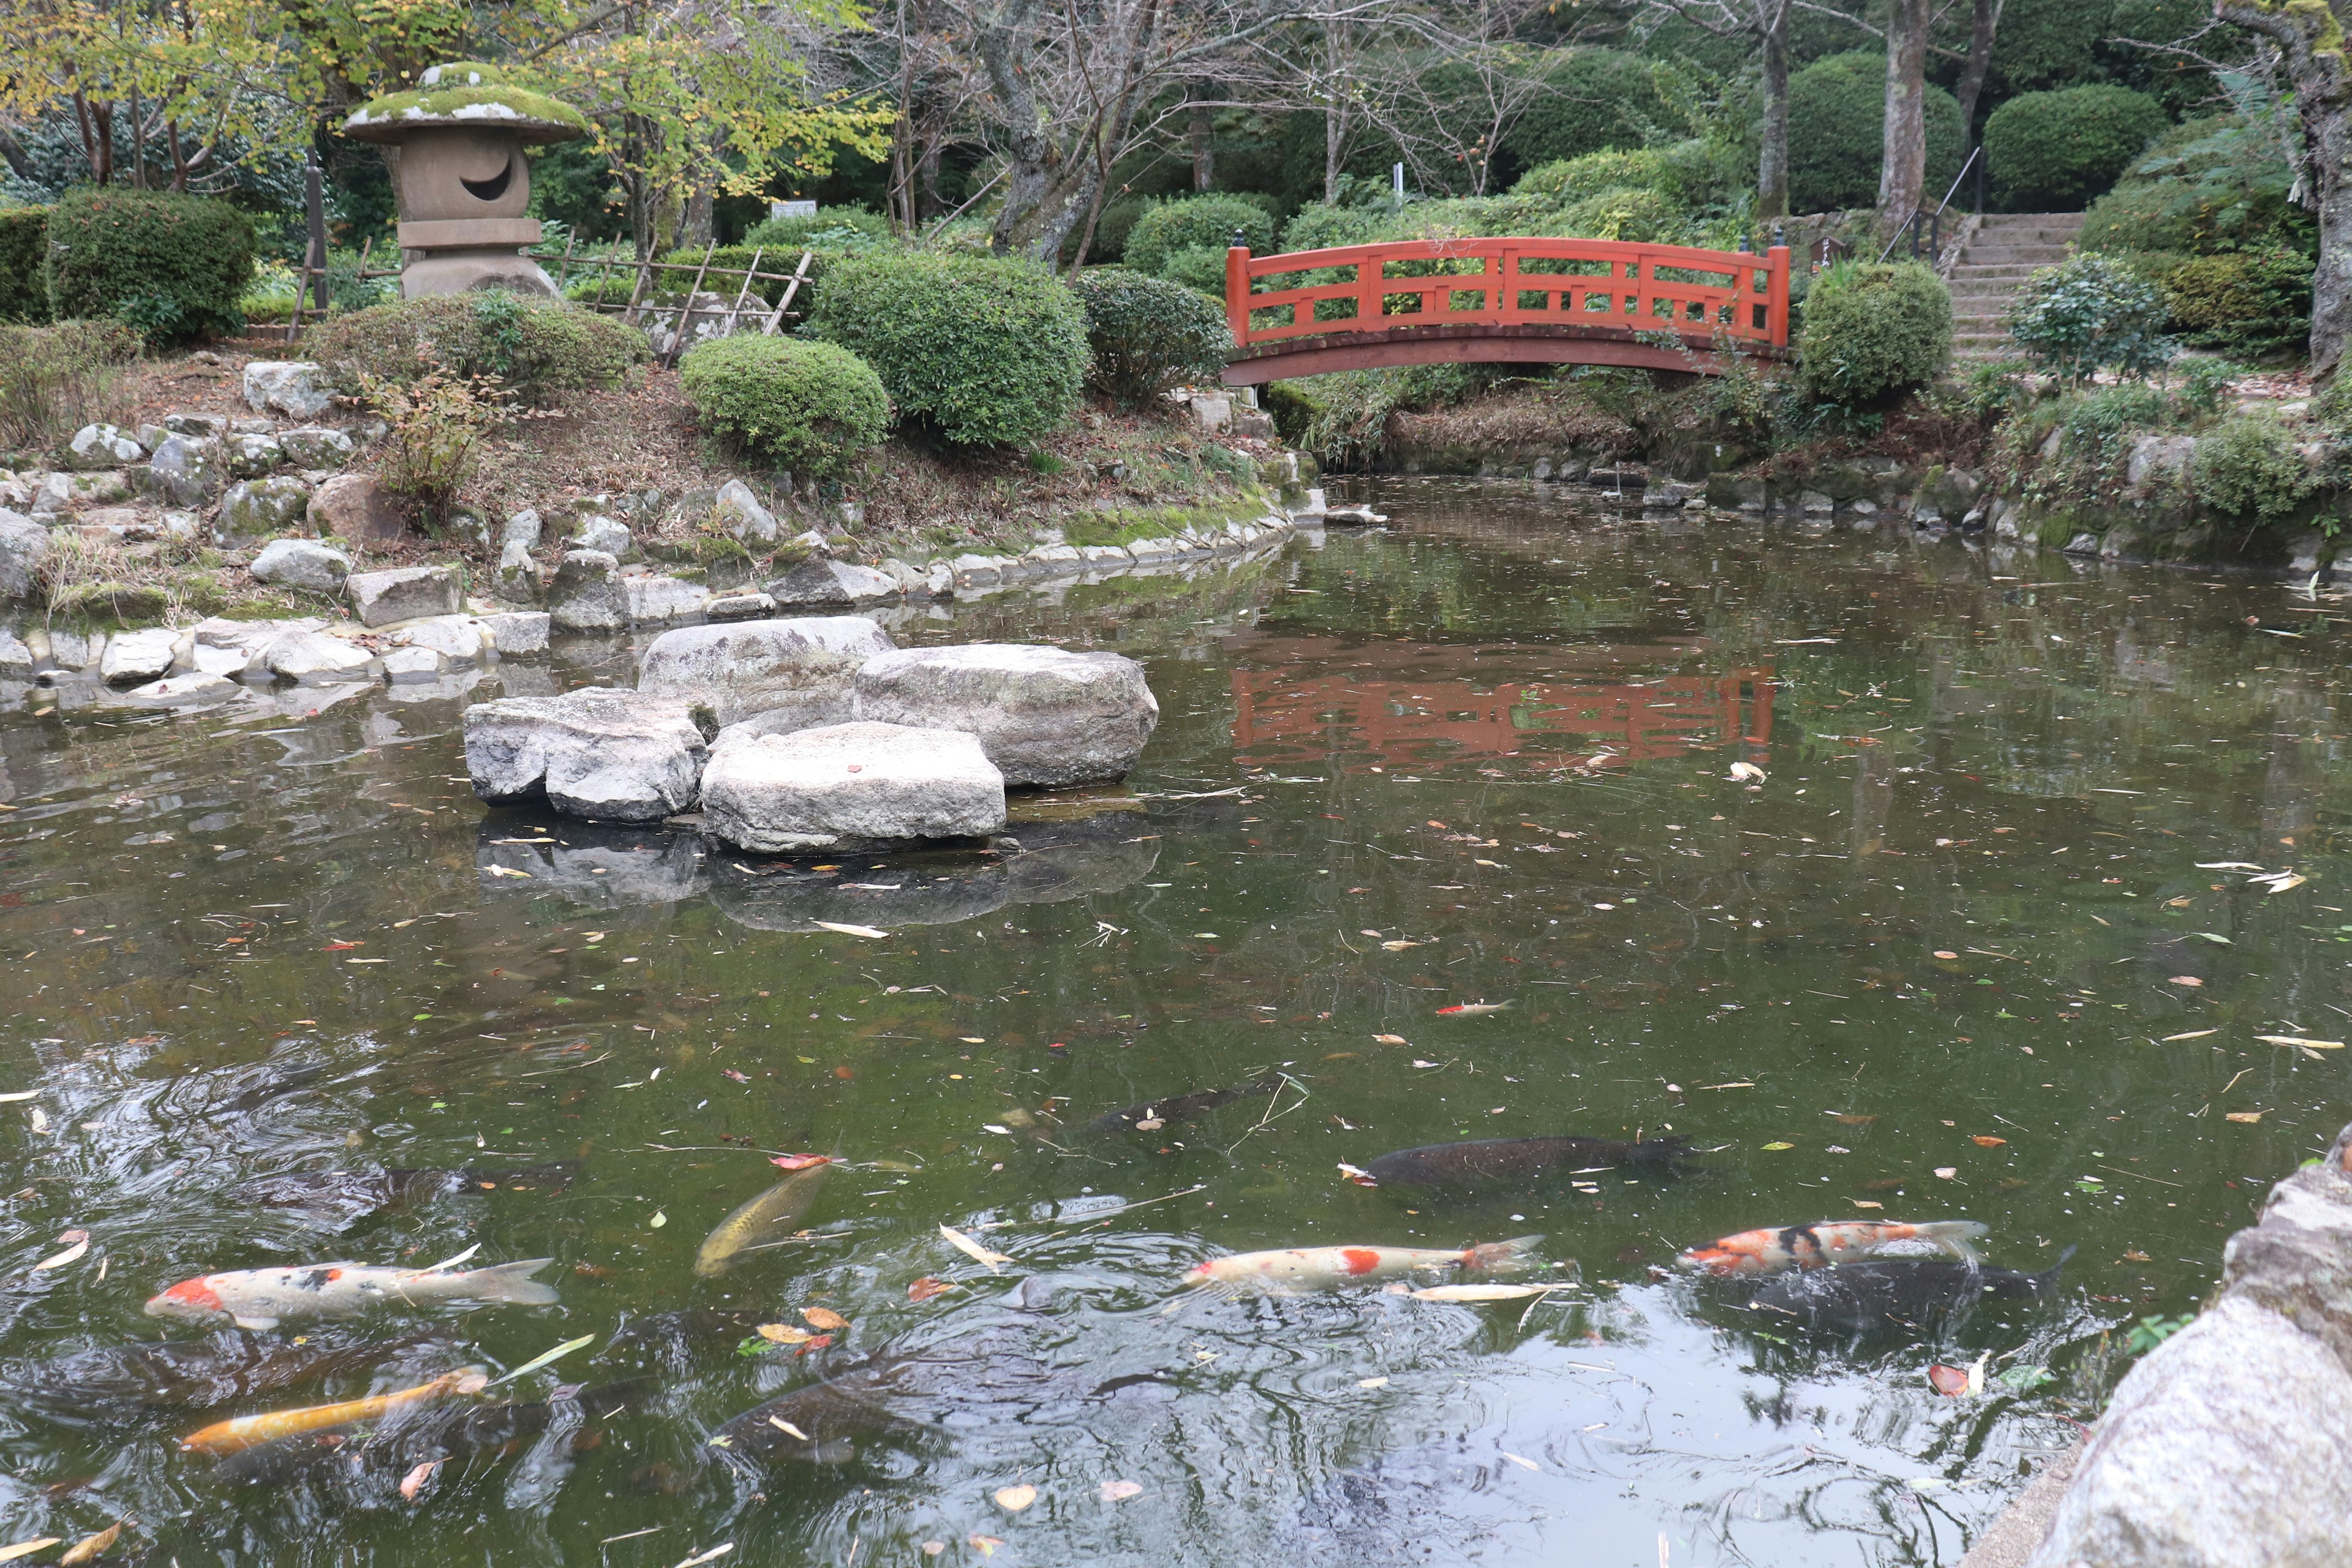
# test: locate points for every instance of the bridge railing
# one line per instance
(1506, 283)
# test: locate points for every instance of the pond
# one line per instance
(1984, 942)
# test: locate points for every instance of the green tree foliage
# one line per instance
(810, 408)
(2247, 301)
(2204, 187)
(985, 351)
(1874, 332)
(173, 267)
(540, 351)
(24, 254)
(2090, 313)
(2052, 152)
(1196, 223)
(1597, 100)
(1571, 179)
(1148, 335)
(1837, 120)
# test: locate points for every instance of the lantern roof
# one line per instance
(470, 94)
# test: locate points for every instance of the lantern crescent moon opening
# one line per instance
(494, 187)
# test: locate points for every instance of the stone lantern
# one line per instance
(455, 146)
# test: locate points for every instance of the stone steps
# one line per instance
(2006, 249)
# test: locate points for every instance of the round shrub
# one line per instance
(2248, 467)
(2251, 303)
(539, 349)
(1837, 133)
(812, 408)
(1199, 269)
(1148, 335)
(1874, 332)
(1196, 221)
(1574, 180)
(24, 251)
(1638, 216)
(985, 351)
(2052, 152)
(2090, 313)
(173, 267)
(1319, 226)
(2207, 185)
(1599, 98)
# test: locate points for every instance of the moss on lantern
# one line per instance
(465, 93)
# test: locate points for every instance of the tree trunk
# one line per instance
(1903, 168)
(2311, 37)
(1201, 128)
(1334, 119)
(1981, 26)
(699, 223)
(1773, 166)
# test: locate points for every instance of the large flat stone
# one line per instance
(586, 595)
(358, 508)
(262, 509)
(847, 784)
(822, 581)
(315, 657)
(656, 600)
(802, 668)
(599, 753)
(292, 387)
(301, 563)
(403, 593)
(189, 471)
(517, 632)
(1045, 716)
(133, 658)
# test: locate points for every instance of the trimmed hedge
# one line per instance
(1148, 335)
(986, 352)
(1194, 222)
(539, 349)
(2251, 303)
(2052, 152)
(173, 267)
(24, 257)
(1872, 332)
(810, 408)
(1837, 133)
(1600, 98)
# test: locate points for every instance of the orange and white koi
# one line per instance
(1475, 1009)
(1319, 1268)
(261, 1297)
(249, 1431)
(1831, 1241)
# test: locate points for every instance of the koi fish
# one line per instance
(1321, 1268)
(86, 1387)
(1154, 1114)
(1860, 1297)
(762, 1219)
(261, 1297)
(1515, 1162)
(1475, 1009)
(249, 1431)
(1830, 1241)
(432, 1433)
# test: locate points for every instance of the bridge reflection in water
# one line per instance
(1424, 706)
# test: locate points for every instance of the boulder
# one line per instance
(977, 571)
(522, 528)
(189, 471)
(803, 670)
(74, 650)
(184, 689)
(193, 424)
(821, 581)
(460, 639)
(263, 508)
(133, 658)
(1105, 557)
(1045, 716)
(403, 593)
(738, 608)
(939, 581)
(654, 600)
(292, 387)
(250, 456)
(515, 633)
(315, 447)
(598, 753)
(309, 655)
(2158, 459)
(520, 580)
(740, 512)
(358, 508)
(15, 657)
(849, 785)
(103, 447)
(303, 563)
(2081, 545)
(609, 535)
(586, 595)
(405, 664)
(24, 549)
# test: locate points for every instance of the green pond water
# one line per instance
(1954, 956)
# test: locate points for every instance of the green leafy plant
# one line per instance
(2090, 313)
(2248, 467)
(2152, 1332)
(984, 351)
(174, 266)
(2205, 186)
(23, 261)
(810, 408)
(1837, 116)
(840, 229)
(1147, 334)
(1638, 216)
(1874, 332)
(2256, 302)
(1191, 223)
(2050, 152)
(1573, 180)
(438, 419)
(2206, 384)
(2096, 429)
(548, 349)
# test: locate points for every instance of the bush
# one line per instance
(2249, 467)
(437, 422)
(172, 266)
(1148, 335)
(54, 380)
(2253, 302)
(1640, 216)
(540, 350)
(2050, 152)
(24, 254)
(833, 229)
(1837, 126)
(1199, 269)
(2205, 186)
(810, 408)
(1874, 332)
(1576, 179)
(2090, 313)
(986, 352)
(1600, 98)
(1190, 222)
(1320, 226)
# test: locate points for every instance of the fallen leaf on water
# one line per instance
(1392, 1039)
(2184, 980)
(1866, 1203)
(730, 1072)
(1775, 1148)
(1945, 953)
(659, 1220)
(1012, 1500)
(1946, 1173)
(972, 1249)
(933, 1548)
(541, 1360)
(824, 1318)
(1743, 773)
(2191, 1035)
(784, 1335)
(2243, 1116)
(2300, 1043)
(507, 872)
(26, 1548)
(1397, 946)
(2216, 936)
(1523, 1463)
(60, 1259)
(1478, 1292)
(90, 1546)
(852, 931)
(1981, 1141)
(986, 1543)
(1949, 1380)
(798, 1161)
(20, 1094)
(1852, 1119)
(343, 946)
(1371, 1382)
(1119, 1492)
(926, 1288)
(413, 1482)
(1151, 1124)
(1418, 1063)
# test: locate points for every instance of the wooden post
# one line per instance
(733, 315)
(791, 288)
(563, 268)
(314, 262)
(685, 311)
(1237, 292)
(1776, 308)
(637, 292)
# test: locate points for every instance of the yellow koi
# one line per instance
(249, 1431)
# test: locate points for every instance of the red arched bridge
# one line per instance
(1499, 301)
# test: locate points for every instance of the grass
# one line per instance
(54, 380)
